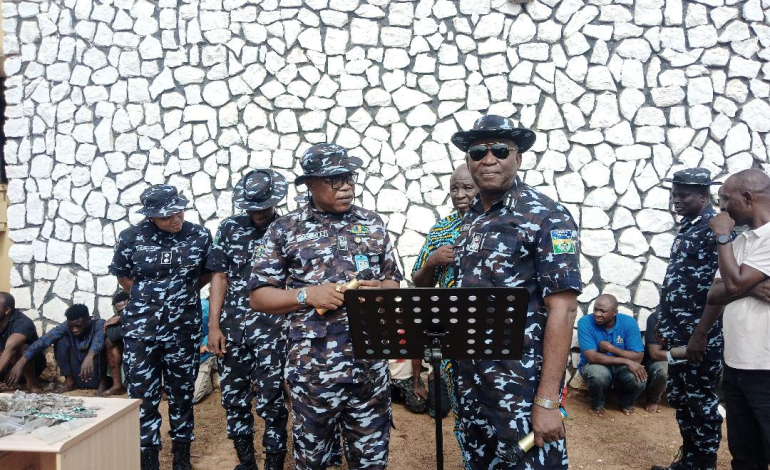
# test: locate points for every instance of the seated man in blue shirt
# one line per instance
(79, 350)
(611, 354)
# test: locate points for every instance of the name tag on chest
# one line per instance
(312, 236)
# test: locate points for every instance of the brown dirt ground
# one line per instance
(612, 442)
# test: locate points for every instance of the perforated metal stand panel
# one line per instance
(479, 323)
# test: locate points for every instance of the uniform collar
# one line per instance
(150, 229)
(509, 199)
(705, 214)
(760, 232)
(309, 212)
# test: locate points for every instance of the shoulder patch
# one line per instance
(563, 241)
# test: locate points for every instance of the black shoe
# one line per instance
(244, 447)
(274, 460)
(149, 459)
(677, 465)
(181, 451)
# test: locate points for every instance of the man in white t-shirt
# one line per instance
(743, 288)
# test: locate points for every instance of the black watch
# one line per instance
(723, 239)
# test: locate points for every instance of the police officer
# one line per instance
(515, 236)
(306, 257)
(161, 263)
(245, 341)
(691, 388)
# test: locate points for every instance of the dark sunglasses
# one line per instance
(499, 150)
(338, 181)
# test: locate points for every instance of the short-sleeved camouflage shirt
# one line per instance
(236, 242)
(164, 303)
(524, 240)
(689, 275)
(306, 248)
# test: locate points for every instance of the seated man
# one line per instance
(17, 332)
(79, 349)
(113, 344)
(611, 353)
(656, 363)
(406, 386)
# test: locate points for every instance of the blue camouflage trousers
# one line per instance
(362, 412)
(243, 364)
(69, 360)
(175, 365)
(692, 391)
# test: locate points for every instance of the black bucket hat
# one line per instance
(492, 126)
(692, 177)
(259, 189)
(326, 160)
(162, 200)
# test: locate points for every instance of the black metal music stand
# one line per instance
(430, 323)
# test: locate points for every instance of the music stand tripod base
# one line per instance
(430, 323)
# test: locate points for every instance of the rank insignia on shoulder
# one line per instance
(563, 242)
(360, 229)
(465, 227)
(165, 258)
(362, 262)
(342, 243)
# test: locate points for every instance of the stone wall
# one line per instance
(108, 97)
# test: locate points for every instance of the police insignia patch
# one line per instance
(359, 229)
(260, 250)
(563, 242)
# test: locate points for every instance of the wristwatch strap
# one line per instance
(545, 403)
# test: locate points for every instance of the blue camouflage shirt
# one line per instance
(524, 240)
(235, 244)
(164, 303)
(307, 248)
(690, 273)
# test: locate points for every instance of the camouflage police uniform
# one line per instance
(527, 240)
(329, 386)
(162, 320)
(691, 388)
(256, 342)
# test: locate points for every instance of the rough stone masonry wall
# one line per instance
(108, 97)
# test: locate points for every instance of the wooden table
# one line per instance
(109, 441)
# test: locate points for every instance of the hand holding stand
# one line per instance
(474, 323)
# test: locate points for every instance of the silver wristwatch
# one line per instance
(302, 296)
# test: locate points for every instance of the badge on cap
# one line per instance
(475, 244)
(165, 258)
(360, 229)
(362, 262)
(563, 242)
(342, 243)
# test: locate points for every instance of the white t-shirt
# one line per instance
(747, 320)
(400, 369)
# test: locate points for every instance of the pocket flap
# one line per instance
(307, 330)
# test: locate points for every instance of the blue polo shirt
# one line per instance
(624, 334)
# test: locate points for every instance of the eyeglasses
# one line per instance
(338, 181)
(499, 150)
